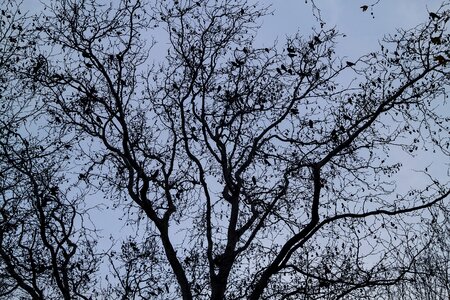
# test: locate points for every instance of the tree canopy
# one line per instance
(242, 171)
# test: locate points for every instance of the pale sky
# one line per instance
(363, 33)
(362, 30)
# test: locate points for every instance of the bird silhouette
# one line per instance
(349, 63)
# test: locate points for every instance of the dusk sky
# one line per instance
(363, 30)
(218, 162)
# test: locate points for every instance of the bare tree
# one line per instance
(428, 278)
(252, 172)
(43, 252)
(46, 247)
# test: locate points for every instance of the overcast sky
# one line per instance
(363, 33)
(362, 30)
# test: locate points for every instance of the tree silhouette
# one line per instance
(428, 277)
(248, 172)
(46, 248)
